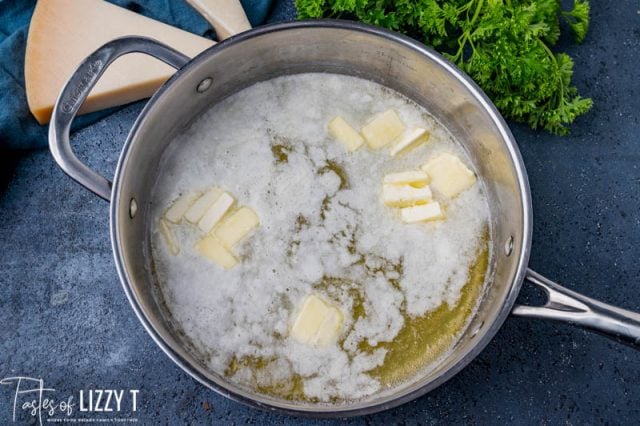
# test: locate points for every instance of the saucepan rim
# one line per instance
(314, 410)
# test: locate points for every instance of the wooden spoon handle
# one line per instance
(226, 16)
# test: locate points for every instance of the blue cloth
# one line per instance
(18, 128)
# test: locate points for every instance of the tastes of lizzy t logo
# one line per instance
(32, 399)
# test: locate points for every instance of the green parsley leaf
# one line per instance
(578, 19)
(504, 45)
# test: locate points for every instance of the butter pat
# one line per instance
(449, 176)
(423, 213)
(214, 251)
(405, 195)
(236, 226)
(202, 204)
(179, 207)
(409, 141)
(317, 323)
(342, 131)
(169, 237)
(416, 178)
(382, 129)
(216, 211)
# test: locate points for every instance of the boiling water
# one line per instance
(407, 291)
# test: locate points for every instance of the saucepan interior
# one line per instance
(337, 47)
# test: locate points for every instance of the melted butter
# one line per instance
(419, 344)
(423, 340)
(333, 167)
(291, 389)
(279, 184)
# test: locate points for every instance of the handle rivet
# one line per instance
(508, 246)
(204, 85)
(133, 208)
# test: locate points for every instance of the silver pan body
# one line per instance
(334, 47)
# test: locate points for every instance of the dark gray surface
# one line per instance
(64, 316)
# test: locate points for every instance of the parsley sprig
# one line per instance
(504, 45)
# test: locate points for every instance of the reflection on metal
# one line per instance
(568, 306)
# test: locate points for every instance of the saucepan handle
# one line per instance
(76, 91)
(568, 306)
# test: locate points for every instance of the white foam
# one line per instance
(247, 311)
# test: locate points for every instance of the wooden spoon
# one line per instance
(226, 16)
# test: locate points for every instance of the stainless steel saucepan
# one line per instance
(336, 47)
